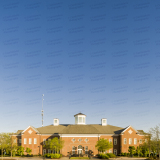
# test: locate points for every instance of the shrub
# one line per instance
(103, 156)
(122, 154)
(49, 155)
(56, 156)
(125, 154)
(111, 155)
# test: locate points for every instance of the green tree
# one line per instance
(12, 145)
(139, 150)
(55, 144)
(28, 150)
(103, 145)
(155, 132)
(131, 150)
(145, 150)
(20, 150)
(4, 142)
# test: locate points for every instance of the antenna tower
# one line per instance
(42, 108)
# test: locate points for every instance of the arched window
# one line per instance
(79, 147)
(80, 151)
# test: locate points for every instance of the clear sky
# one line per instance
(98, 57)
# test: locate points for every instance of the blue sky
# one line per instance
(100, 58)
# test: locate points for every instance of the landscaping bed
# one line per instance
(79, 158)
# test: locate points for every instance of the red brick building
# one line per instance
(80, 137)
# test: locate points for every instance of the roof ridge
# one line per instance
(96, 129)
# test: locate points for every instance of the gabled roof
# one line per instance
(32, 128)
(127, 128)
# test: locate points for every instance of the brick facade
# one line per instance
(35, 141)
(79, 138)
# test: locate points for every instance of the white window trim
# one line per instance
(35, 140)
(86, 149)
(115, 151)
(49, 150)
(130, 140)
(30, 140)
(110, 140)
(110, 151)
(44, 150)
(73, 150)
(125, 140)
(140, 141)
(86, 140)
(44, 141)
(115, 141)
(14, 141)
(135, 140)
(25, 140)
(83, 118)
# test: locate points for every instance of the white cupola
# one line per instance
(56, 122)
(80, 118)
(104, 122)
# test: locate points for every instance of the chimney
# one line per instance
(104, 122)
(56, 122)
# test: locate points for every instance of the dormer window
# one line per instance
(80, 118)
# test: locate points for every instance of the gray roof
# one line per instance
(78, 129)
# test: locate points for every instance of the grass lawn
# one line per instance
(79, 158)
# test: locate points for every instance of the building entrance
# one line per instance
(79, 149)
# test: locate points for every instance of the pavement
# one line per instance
(67, 158)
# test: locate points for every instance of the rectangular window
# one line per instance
(14, 141)
(35, 140)
(44, 141)
(83, 120)
(25, 140)
(135, 140)
(130, 140)
(86, 149)
(73, 150)
(49, 151)
(30, 140)
(125, 140)
(110, 151)
(110, 140)
(80, 119)
(19, 140)
(145, 140)
(140, 141)
(115, 141)
(44, 151)
(76, 120)
(115, 151)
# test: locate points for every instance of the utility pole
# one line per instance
(42, 108)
